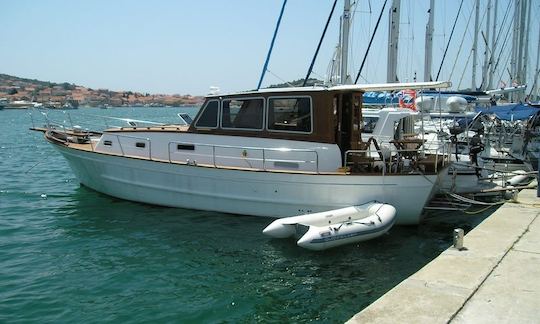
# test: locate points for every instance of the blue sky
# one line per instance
(186, 46)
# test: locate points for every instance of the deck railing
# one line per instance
(246, 151)
(87, 121)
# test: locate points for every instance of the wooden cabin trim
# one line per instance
(323, 110)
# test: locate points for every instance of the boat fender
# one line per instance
(520, 177)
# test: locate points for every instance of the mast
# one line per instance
(393, 36)
(521, 40)
(429, 42)
(345, 25)
(526, 43)
(534, 90)
(265, 68)
(475, 45)
(493, 47)
(515, 33)
(485, 67)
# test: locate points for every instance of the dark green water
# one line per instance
(80, 256)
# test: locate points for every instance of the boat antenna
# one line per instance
(320, 43)
(370, 41)
(449, 40)
(271, 45)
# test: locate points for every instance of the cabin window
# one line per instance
(290, 114)
(187, 147)
(369, 124)
(244, 113)
(209, 116)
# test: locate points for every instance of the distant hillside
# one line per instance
(56, 94)
(298, 83)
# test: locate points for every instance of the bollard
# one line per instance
(458, 239)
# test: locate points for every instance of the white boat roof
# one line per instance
(394, 86)
(371, 112)
(353, 87)
(507, 90)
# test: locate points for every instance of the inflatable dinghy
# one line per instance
(336, 227)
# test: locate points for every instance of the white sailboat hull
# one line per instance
(257, 193)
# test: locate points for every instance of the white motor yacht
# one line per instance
(271, 152)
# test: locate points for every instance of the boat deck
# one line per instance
(87, 141)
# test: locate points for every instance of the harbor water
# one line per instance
(69, 254)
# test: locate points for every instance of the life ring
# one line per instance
(407, 99)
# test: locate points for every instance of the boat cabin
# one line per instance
(300, 114)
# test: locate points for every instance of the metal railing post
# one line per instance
(317, 161)
(214, 155)
(538, 181)
(70, 121)
(264, 159)
(149, 149)
(120, 144)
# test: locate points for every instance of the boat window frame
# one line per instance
(289, 97)
(203, 108)
(239, 99)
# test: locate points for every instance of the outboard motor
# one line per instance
(455, 130)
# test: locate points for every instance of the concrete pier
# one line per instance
(495, 280)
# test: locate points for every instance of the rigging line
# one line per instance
(318, 75)
(449, 39)
(461, 44)
(502, 24)
(501, 74)
(320, 43)
(271, 45)
(352, 22)
(464, 69)
(504, 43)
(370, 42)
(488, 50)
(497, 38)
(331, 67)
(470, 53)
(535, 82)
(283, 80)
(484, 14)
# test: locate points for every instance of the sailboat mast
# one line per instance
(493, 47)
(526, 44)
(521, 41)
(485, 67)
(429, 42)
(393, 37)
(345, 26)
(475, 44)
(534, 90)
